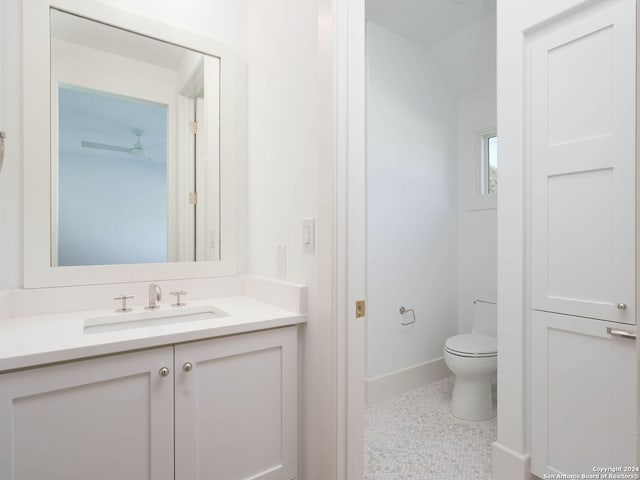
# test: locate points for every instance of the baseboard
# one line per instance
(509, 465)
(401, 381)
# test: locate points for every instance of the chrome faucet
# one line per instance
(155, 295)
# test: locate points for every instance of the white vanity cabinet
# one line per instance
(112, 417)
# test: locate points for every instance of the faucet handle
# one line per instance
(178, 295)
(124, 299)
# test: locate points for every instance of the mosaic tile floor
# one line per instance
(414, 437)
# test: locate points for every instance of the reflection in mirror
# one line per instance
(135, 148)
(112, 197)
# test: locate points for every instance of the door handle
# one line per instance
(621, 333)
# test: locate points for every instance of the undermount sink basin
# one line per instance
(151, 318)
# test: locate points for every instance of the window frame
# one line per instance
(480, 198)
(485, 166)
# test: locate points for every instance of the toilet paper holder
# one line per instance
(404, 311)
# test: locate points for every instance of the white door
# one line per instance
(236, 407)
(194, 193)
(351, 236)
(101, 419)
(582, 106)
(207, 165)
(583, 395)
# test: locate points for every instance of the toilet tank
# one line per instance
(485, 316)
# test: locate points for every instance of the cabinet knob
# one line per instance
(164, 372)
(187, 367)
(622, 306)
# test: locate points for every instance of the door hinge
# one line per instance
(360, 309)
(193, 198)
(194, 127)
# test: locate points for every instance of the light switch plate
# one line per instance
(308, 235)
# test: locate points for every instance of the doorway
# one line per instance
(431, 218)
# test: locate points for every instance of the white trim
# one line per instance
(512, 270)
(38, 271)
(509, 465)
(181, 175)
(350, 236)
(637, 231)
(182, 226)
(401, 381)
(356, 237)
(341, 279)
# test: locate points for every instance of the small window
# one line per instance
(489, 164)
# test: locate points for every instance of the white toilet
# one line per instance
(473, 358)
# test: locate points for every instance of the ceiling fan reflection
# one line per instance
(137, 149)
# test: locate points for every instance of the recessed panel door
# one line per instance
(582, 73)
(101, 419)
(584, 395)
(236, 407)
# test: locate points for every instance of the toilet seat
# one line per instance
(473, 345)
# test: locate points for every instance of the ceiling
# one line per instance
(427, 22)
(460, 35)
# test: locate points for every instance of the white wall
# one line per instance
(411, 203)
(290, 176)
(468, 56)
(282, 134)
(477, 228)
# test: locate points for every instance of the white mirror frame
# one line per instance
(38, 271)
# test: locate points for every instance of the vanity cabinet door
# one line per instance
(101, 419)
(236, 407)
(584, 395)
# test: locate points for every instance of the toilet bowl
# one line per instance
(473, 358)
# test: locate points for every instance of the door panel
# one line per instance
(98, 419)
(583, 164)
(236, 409)
(584, 395)
(573, 238)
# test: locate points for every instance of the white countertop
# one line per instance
(49, 338)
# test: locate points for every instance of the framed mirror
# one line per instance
(131, 176)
